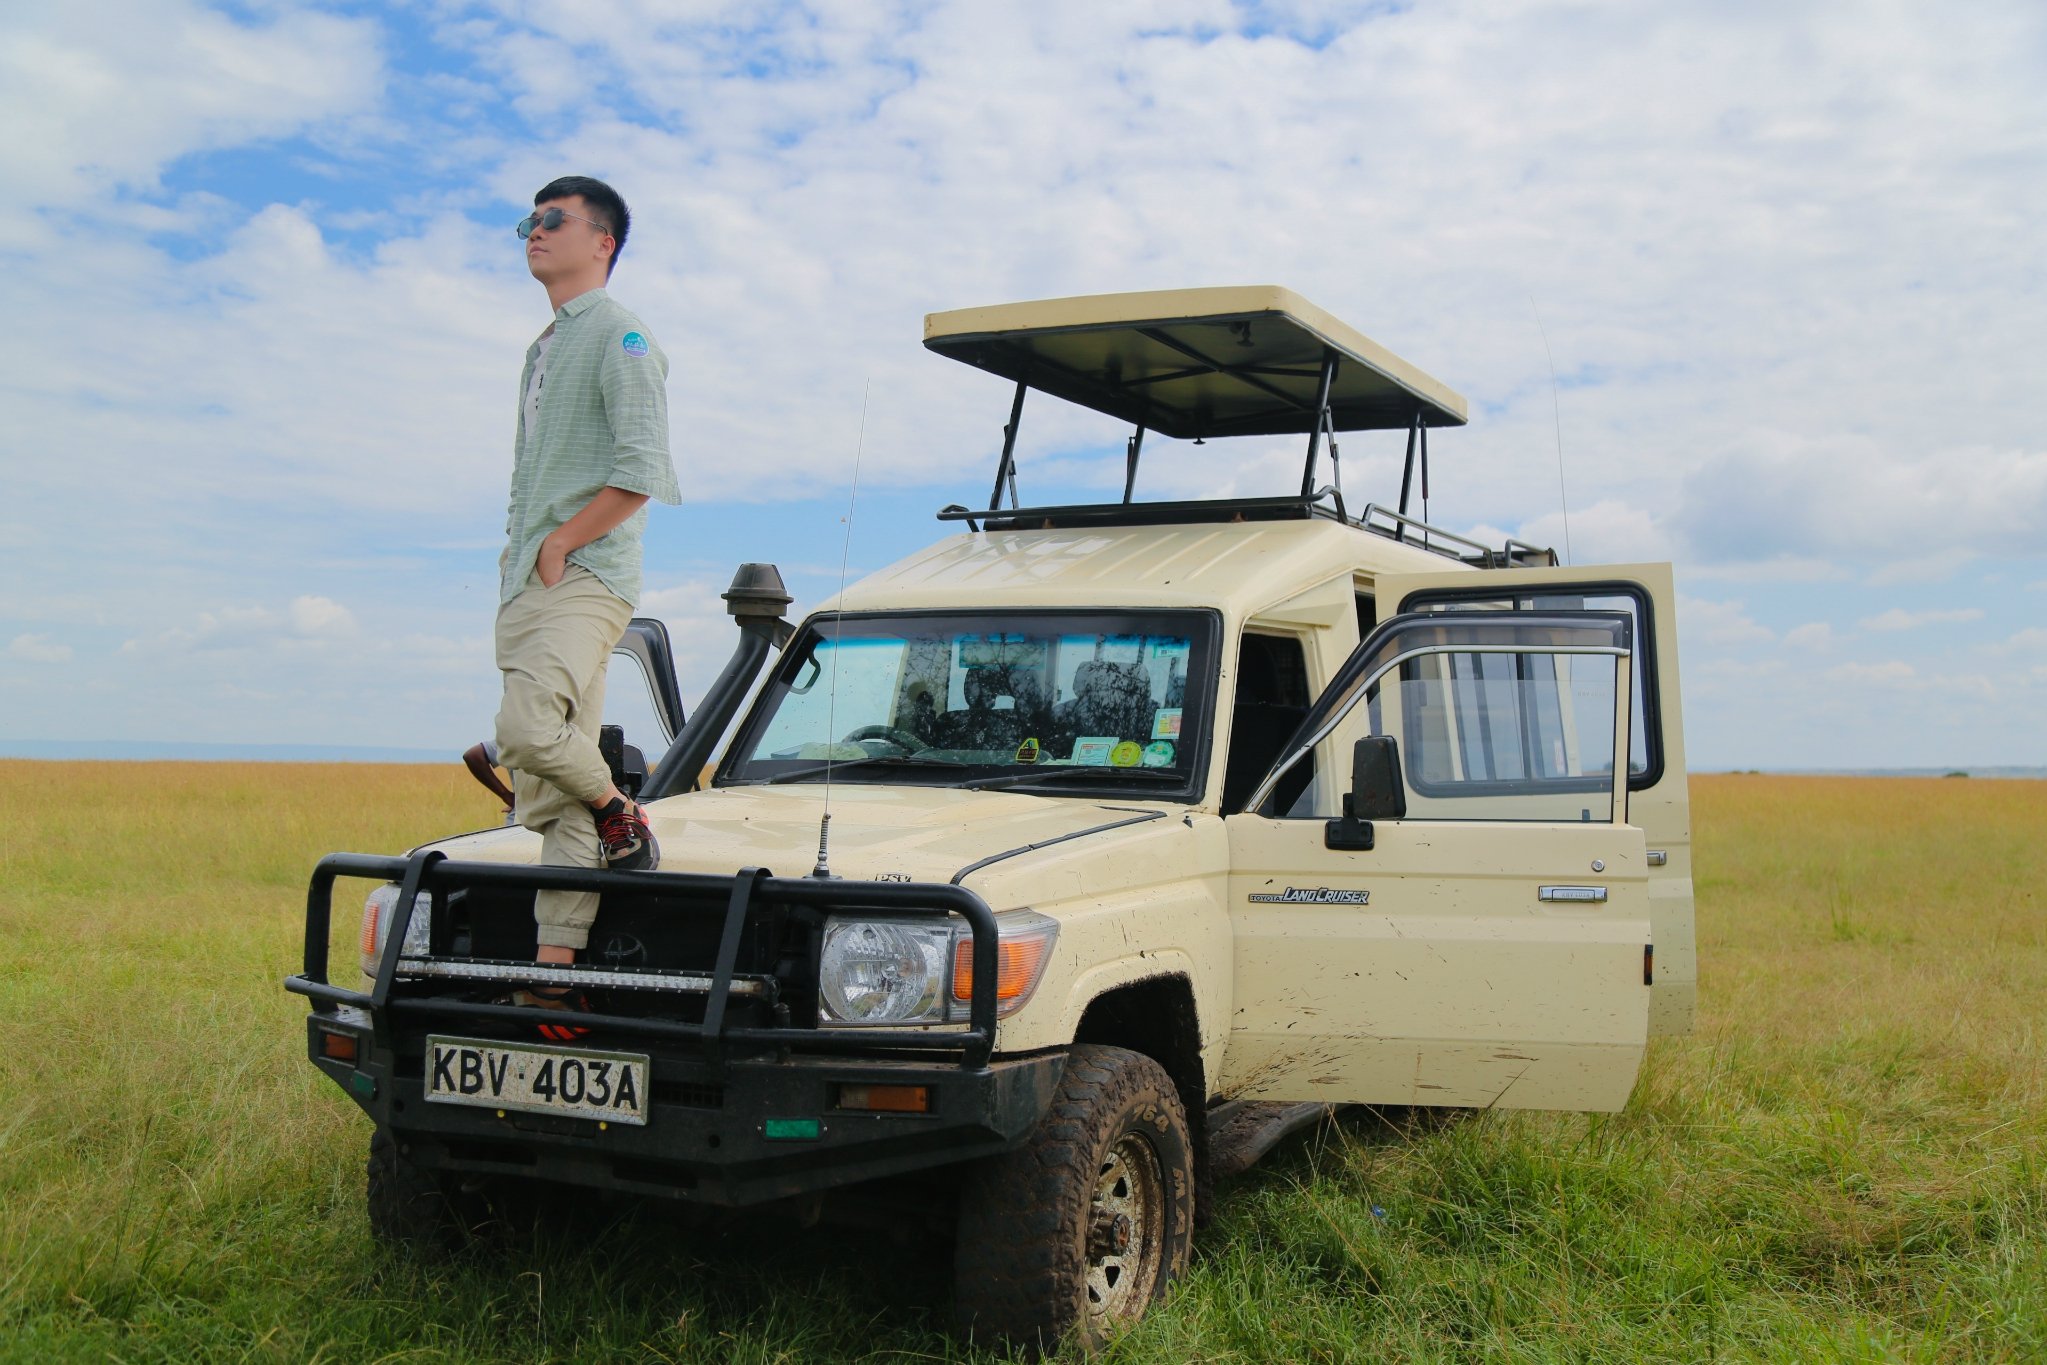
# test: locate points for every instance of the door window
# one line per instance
(1498, 716)
(1645, 749)
(1507, 736)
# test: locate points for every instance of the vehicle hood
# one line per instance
(878, 833)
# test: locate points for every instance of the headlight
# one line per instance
(376, 926)
(903, 971)
(884, 971)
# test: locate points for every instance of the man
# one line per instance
(591, 449)
(481, 758)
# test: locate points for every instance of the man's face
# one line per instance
(553, 253)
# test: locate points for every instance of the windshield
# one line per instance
(943, 699)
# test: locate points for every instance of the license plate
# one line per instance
(538, 1079)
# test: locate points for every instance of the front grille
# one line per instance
(649, 956)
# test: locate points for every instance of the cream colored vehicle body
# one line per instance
(1500, 943)
(1454, 984)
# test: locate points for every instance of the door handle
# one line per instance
(1570, 893)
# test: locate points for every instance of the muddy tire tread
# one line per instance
(1019, 1267)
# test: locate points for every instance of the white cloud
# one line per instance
(1719, 623)
(1891, 673)
(1778, 569)
(38, 649)
(1897, 618)
(104, 95)
(1607, 532)
(2026, 641)
(1895, 674)
(1814, 635)
(318, 618)
(314, 620)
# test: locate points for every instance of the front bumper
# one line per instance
(738, 1113)
(706, 1139)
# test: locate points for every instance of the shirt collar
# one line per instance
(580, 304)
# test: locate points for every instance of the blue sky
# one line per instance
(266, 315)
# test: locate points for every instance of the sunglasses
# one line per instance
(551, 220)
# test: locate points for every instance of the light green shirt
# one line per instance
(603, 424)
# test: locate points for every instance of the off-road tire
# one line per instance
(422, 1211)
(1035, 1263)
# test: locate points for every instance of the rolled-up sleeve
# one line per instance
(633, 377)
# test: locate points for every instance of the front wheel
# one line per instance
(1082, 1228)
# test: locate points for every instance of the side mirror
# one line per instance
(1375, 793)
(627, 764)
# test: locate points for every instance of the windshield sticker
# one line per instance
(1313, 895)
(1165, 723)
(634, 343)
(1125, 755)
(1158, 754)
(1093, 750)
(1027, 752)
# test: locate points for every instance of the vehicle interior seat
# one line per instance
(1005, 705)
(1110, 699)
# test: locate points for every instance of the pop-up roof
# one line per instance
(1244, 360)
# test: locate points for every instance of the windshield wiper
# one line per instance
(1089, 770)
(871, 761)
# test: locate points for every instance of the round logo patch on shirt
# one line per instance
(634, 343)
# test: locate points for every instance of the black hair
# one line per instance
(605, 206)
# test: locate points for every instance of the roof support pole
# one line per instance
(1425, 479)
(1130, 451)
(1321, 420)
(1407, 473)
(1005, 471)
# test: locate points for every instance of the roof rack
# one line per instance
(1326, 503)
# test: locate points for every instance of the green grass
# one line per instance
(1843, 1163)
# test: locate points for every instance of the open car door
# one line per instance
(1659, 801)
(1468, 923)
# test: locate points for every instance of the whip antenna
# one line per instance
(824, 824)
(1556, 415)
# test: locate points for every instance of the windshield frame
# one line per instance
(1202, 626)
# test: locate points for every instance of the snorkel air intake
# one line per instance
(756, 600)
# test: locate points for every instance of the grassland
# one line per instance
(1845, 1162)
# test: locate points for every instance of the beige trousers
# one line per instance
(552, 646)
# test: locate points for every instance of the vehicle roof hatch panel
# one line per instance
(1241, 360)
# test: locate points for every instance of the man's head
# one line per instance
(590, 230)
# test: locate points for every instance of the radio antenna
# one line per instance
(824, 824)
(1557, 416)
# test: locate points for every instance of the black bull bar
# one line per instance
(433, 872)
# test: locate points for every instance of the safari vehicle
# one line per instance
(1060, 867)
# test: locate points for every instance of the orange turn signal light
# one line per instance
(1016, 966)
(339, 1046)
(892, 1099)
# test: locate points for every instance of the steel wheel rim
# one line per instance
(1130, 1186)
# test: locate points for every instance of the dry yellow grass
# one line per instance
(1843, 1162)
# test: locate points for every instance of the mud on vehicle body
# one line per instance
(1155, 831)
